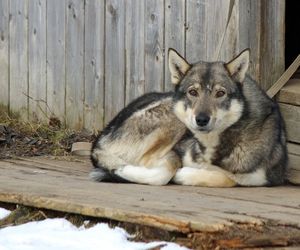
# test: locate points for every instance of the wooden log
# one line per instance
(291, 116)
(290, 92)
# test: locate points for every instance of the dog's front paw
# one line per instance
(204, 177)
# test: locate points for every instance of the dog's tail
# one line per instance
(104, 175)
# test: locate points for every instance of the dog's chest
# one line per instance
(210, 142)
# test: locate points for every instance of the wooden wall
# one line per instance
(83, 60)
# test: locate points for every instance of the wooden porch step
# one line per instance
(64, 186)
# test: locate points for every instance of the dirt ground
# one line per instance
(24, 138)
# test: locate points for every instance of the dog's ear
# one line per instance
(178, 66)
(238, 66)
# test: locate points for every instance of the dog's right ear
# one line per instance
(178, 66)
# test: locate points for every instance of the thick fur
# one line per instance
(217, 129)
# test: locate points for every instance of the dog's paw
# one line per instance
(204, 177)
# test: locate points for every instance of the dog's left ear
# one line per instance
(238, 66)
(178, 66)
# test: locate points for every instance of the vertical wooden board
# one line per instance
(174, 33)
(74, 63)
(18, 44)
(135, 53)
(56, 16)
(154, 45)
(196, 42)
(250, 33)
(114, 58)
(228, 47)
(37, 59)
(4, 52)
(94, 65)
(217, 15)
(272, 44)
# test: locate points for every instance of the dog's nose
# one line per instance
(202, 119)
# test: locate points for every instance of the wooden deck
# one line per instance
(64, 186)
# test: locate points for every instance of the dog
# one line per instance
(216, 129)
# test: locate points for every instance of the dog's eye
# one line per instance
(220, 93)
(193, 92)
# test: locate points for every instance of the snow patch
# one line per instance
(4, 213)
(60, 234)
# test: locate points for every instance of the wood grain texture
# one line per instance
(94, 65)
(250, 34)
(291, 116)
(154, 45)
(64, 186)
(74, 63)
(196, 34)
(272, 43)
(284, 78)
(135, 49)
(56, 15)
(37, 60)
(4, 52)
(293, 148)
(100, 55)
(114, 58)
(174, 33)
(18, 45)
(290, 93)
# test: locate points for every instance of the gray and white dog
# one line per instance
(217, 129)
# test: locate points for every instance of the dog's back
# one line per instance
(140, 136)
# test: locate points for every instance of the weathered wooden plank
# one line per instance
(272, 43)
(294, 162)
(290, 93)
(174, 33)
(219, 19)
(284, 78)
(135, 49)
(59, 186)
(154, 45)
(293, 148)
(227, 19)
(18, 46)
(37, 59)
(114, 58)
(94, 65)
(56, 58)
(4, 52)
(196, 30)
(250, 33)
(74, 63)
(294, 176)
(291, 116)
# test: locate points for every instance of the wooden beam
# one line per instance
(284, 78)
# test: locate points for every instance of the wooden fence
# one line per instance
(83, 60)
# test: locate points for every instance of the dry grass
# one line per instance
(33, 138)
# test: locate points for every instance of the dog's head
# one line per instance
(208, 95)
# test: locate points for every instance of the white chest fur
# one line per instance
(210, 141)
